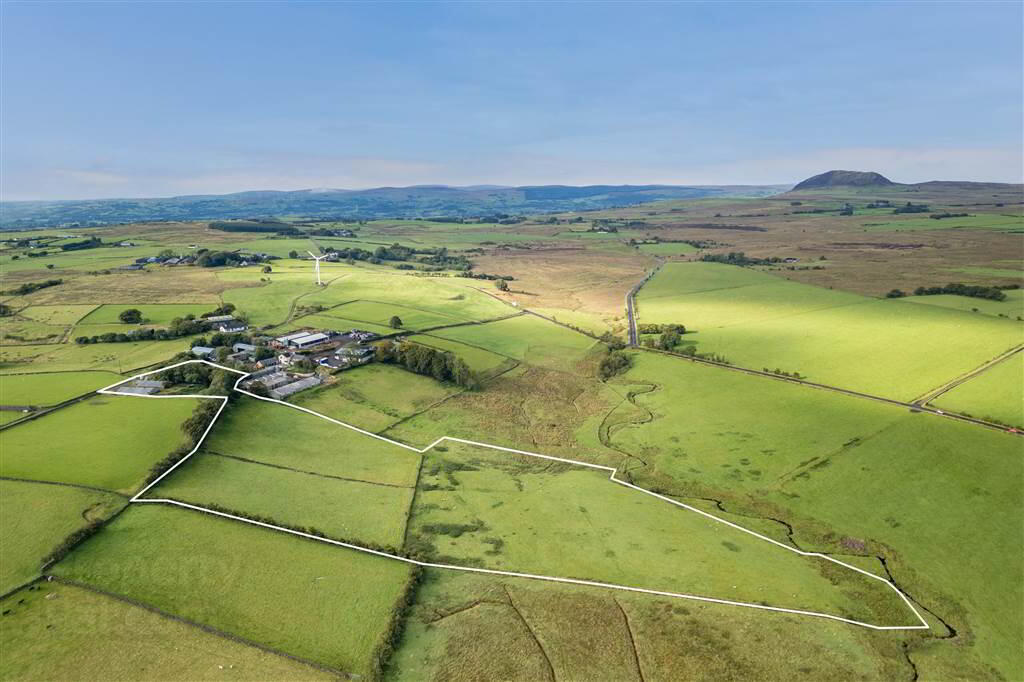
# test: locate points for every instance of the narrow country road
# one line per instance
(634, 338)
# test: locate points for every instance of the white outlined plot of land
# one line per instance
(749, 535)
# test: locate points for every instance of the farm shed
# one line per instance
(295, 387)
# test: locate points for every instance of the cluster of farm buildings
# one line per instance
(288, 364)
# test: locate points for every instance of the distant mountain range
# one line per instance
(384, 202)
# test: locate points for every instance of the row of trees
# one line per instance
(179, 327)
(29, 287)
(442, 365)
(957, 289)
(738, 258)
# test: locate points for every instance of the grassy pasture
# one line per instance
(375, 396)
(996, 394)
(62, 632)
(885, 347)
(478, 359)
(667, 249)
(704, 429)
(381, 313)
(50, 388)
(323, 603)
(985, 221)
(269, 303)
(343, 510)
(527, 338)
(946, 498)
(282, 436)
(467, 626)
(70, 357)
(158, 314)
(1013, 273)
(330, 320)
(37, 517)
(105, 442)
(56, 314)
(1012, 307)
(591, 322)
(18, 330)
(450, 297)
(505, 511)
(276, 247)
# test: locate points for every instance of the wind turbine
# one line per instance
(317, 259)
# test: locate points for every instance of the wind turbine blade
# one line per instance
(312, 256)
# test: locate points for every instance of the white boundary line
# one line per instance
(109, 390)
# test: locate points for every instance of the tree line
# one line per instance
(440, 364)
(993, 293)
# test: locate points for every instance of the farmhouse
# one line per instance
(267, 363)
(231, 327)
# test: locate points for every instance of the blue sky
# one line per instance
(159, 99)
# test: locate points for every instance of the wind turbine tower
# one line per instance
(317, 259)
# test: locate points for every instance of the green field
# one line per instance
(352, 511)
(50, 388)
(329, 320)
(467, 626)
(19, 330)
(945, 498)
(756, 320)
(375, 396)
(381, 313)
(527, 338)
(282, 436)
(269, 303)
(447, 297)
(309, 599)
(705, 429)
(985, 221)
(1012, 307)
(158, 315)
(62, 632)
(37, 517)
(667, 249)
(105, 442)
(57, 314)
(481, 507)
(996, 394)
(71, 357)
